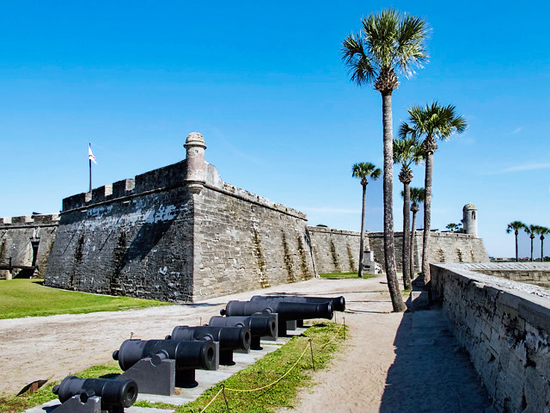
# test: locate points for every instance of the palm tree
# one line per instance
(387, 44)
(417, 197)
(452, 227)
(364, 170)
(406, 151)
(434, 122)
(515, 226)
(531, 230)
(542, 231)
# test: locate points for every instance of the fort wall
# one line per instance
(180, 233)
(150, 237)
(26, 241)
(447, 247)
(335, 250)
(505, 326)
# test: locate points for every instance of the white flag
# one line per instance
(91, 156)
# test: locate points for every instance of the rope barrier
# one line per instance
(308, 344)
(273, 383)
(212, 401)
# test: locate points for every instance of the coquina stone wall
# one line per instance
(505, 326)
(27, 241)
(335, 250)
(167, 236)
(445, 247)
(243, 241)
(133, 238)
(181, 233)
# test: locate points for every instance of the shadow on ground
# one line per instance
(431, 371)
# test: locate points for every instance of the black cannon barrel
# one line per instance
(230, 338)
(260, 325)
(285, 310)
(234, 338)
(337, 303)
(188, 354)
(114, 393)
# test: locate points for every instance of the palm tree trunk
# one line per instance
(427, 218)
(389, 245)
(541, 248)
(362, 241)
(532, 248)
(413, 238)
(406, 237)
(517, 253)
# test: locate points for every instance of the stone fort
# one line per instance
(180, 233)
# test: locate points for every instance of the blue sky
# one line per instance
(265, 85)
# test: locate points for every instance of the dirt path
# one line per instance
(391, 363)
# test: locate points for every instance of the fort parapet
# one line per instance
(505, 327)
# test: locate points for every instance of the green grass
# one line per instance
(326, 339)
(344, 275)
(29, 298)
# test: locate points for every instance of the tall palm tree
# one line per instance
(433, 122)
(417, 197)
(387, 44)
(406, 151)
(364, 170)
(515, 226)
(531, 230)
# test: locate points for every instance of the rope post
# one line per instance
(311, 348)
(344, 318)
(225, 398)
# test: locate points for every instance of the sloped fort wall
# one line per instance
(181, 233)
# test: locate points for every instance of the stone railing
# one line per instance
(505, 326)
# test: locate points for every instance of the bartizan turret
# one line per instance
(196, 167)
(469, 219)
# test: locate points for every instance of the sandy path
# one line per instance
(52, 347)
(391, 363)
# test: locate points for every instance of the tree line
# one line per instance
(389, 44)
(532, 231)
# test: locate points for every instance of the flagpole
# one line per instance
(90, 162)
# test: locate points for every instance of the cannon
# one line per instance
(260, 325)
(159, 365)
(84, 395)
(230, 338)
(337, 303)
(286, 310)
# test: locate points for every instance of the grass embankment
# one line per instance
(272, 382)
(29, 298)
(344, 275)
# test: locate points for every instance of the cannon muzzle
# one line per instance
(188, 356)
(115, 394)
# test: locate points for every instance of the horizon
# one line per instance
(266, 87)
